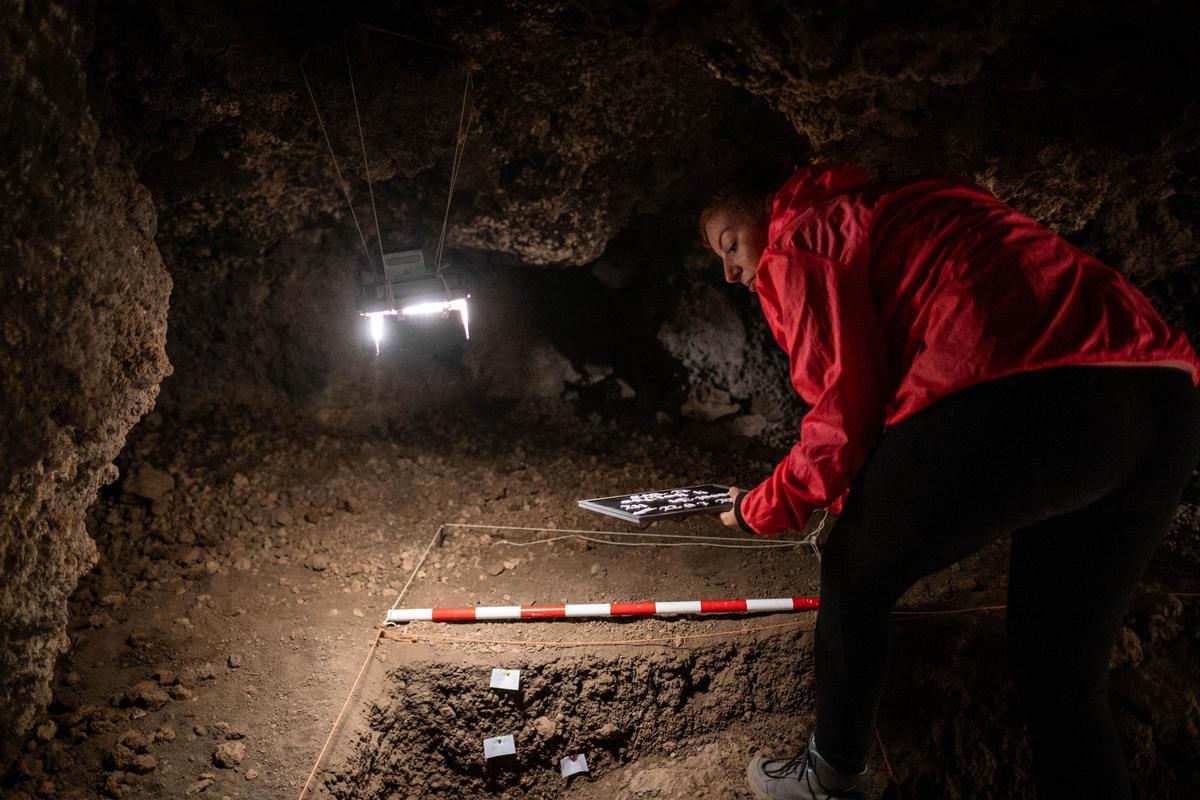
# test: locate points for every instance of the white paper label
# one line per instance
(509, 679)
(572, 765)
(499, 746)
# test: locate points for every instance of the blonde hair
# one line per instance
(743, 196)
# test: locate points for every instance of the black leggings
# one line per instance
(1084, 466)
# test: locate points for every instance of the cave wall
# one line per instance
(83, 303)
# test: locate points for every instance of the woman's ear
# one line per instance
(768, 205)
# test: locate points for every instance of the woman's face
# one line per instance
(738, 240)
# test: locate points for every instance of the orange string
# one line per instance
(414, 637)
(887, 763)
(946, 613)
(312, 773)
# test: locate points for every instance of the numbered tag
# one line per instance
(507, 679)
(499, 746)
(573, 765)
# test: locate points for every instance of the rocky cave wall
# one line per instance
(83, 306)
(596, 129)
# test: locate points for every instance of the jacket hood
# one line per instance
(811, 185)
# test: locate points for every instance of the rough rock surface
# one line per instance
(83, 300)
(732, 362)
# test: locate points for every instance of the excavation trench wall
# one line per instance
(681, 721)
(424, 737)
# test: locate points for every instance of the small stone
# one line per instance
(29, 767)
(72, 678)
(199, 730)
(317, 562)
(181, 693)
(205, 672)
(148, 482)
(199, 786)
(143, 763)
(1128, 651)
(234, 661)
(748, 425)
(234, 733)
(358, 612)
(116, 784)
(166, 677)
(597, 571)
(251, 774)
(135, 741)
(129, 754)
(46, 731)
(229, 754)
(164, 734)
(545, 727)
(146, 694)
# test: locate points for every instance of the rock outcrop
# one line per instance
(83, 302)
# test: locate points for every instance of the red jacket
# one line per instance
(887, 299)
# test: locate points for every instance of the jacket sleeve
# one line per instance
(834, 342)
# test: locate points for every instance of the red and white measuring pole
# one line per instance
(480, 613)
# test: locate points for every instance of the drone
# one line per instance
(407, 288)
(401, 285)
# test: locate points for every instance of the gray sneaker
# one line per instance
(805, 777)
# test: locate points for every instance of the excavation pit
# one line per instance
(684, 716)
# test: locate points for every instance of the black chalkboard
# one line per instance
(643, 508)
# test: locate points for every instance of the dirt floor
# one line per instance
(244, 567)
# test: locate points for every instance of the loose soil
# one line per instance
(237, 597)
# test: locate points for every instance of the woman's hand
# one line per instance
(728, 519)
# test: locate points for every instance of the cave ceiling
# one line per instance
(585, 115)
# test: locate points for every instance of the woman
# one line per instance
(970, 375)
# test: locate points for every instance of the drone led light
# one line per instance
(440, 307)
(376, 323)
(443, 307)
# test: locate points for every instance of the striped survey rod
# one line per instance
(578, 610)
